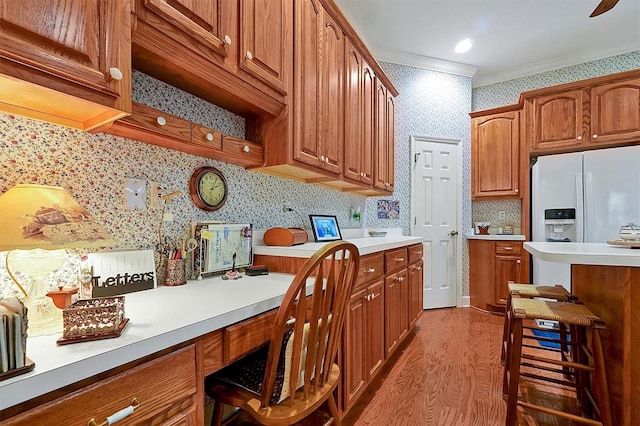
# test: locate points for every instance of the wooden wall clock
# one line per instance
(208, 188)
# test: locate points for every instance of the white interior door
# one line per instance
(434, 206)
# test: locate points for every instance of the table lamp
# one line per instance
(37, 222)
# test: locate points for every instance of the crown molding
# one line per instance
(426, 62)
(554, 64)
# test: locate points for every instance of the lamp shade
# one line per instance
(47, 217)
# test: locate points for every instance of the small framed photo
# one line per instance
(325, 228)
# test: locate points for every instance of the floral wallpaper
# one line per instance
(508, 92)
(431, 104)
(93, 167)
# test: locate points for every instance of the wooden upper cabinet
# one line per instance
(384, 139)
(615, 112)
(202, 24)
(359, 118)
(495, 142)
(318, 107)
(81, 49)
(555, 121)
(594, 114)
(264, 28)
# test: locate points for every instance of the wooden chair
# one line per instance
(267, 384)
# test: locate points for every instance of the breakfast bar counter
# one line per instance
(607, 280)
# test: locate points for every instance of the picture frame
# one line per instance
(325, 228)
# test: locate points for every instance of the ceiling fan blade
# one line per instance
(604, 6)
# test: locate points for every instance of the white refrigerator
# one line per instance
(603, 186)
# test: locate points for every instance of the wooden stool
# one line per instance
(529, 291)
(587, 363)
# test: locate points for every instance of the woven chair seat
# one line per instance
(568, 313)
(556, 292)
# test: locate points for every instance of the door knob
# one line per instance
(453, 233)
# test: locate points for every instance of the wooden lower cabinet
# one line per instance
(396, 307)
(492, 264)
(363, 341)
(416, 293)
(165, 388)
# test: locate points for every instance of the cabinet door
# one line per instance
(403, 305)
(481, 273)
(381, 174)
(416, 280)
(375, 349)
(78, 48)
(264, 25)
(615, 112)
(331, 96)
(495, 143)
(392, 315)
(204, 23)
(354, 335)
(368, 120)
(308, 29)
(555, 121)
(391, 140)
(353, 114)
(508, 268)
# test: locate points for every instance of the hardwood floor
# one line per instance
(449, 373)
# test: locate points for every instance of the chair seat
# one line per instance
(556, 292)
(568, 313)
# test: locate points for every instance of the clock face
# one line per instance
(208, 188)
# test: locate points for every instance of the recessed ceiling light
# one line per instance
(463, 45)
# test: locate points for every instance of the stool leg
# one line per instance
(508, 322)
(581, 376)
(564, 346)
(512, 374)
(505, 331)
(601, 379)
(218, 410)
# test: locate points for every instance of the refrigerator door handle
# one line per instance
(580, 210)
(588, 210)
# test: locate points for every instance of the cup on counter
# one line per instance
(175, 272)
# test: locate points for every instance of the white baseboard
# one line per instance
(465, 302)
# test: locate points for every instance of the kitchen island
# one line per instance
(176, 336)
(607, 280)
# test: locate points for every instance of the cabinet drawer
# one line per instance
(159, 123)
(241, 152)
(164, 384)
(507, 248)
(212, 352)
(395, 259)
(415, 253)
(246, 336)
(204, 136)
(371, 269)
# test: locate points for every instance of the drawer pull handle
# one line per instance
(209, 136)
(246, 148)
(117, 416)
(418, 252)
(399, 259)
(507, 248)
(161, 120)
(369, 270)
(400, 279)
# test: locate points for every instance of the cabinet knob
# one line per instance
(594, 137)
(579, 138)
(209, 136)
(516, 190)
(518, 261)
(115, 73)
(400, 279)
(161, 120)
(249, 55)
(246, 148)
(227, 40)
(419, 268)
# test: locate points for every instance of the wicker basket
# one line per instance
(94, 318)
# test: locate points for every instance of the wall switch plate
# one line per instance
(135, 193)
(502, 215)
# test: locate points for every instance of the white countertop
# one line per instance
(497, 237)
(365, 246)
(584, 253)
(159, 318)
